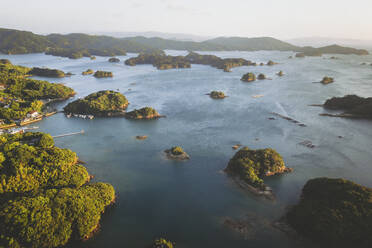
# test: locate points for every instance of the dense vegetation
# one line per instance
(248, 77)
(45, 200)
(20, 42)
(253, 165)
(101, 103)
(45, 72)
(334, 212)
(22, 95)
(351, 104)
(103, 74)
(143, 113)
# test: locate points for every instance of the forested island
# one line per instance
(248, 77)
(352, 105)
(249, 167)
(46, 198)
(143, 113)
(87, 72)
(114, 60)
(217, 62)
(22, 99)
(79, 45)
(334, 213)
(46, 72)
(102, 103)
(103, 74)
(327, 80)
(161, 61)
(217, 95)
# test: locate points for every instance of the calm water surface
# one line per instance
(187, 201)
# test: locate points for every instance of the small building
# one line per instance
(15, 130)
(33, 114)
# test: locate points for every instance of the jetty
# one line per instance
(289, 119)
(344, 115)
(68, 134)
(307, 143)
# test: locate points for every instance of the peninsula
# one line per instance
(352, 105)
(47, 201)
(334, 213)
(22, 99)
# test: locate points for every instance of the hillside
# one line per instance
(20, 42)
(78, 45)
(251, 44)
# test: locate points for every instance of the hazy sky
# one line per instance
(278, 18)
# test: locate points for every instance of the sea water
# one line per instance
(187, 202)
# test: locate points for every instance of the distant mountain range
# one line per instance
(21, 42)
(324, 41)
(152, 34)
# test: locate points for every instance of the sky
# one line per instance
(284, 19)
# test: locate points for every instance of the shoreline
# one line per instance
(267, 192)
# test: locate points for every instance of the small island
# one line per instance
(261, 76)
(49, 199)
(352, 105)
(87, 72)
(334, 213)
(46, 72)
(217, 95)
(114, 60)
(177, 153)
(248, 77)
(327, 80)
(141, 137)
(143, 113)
(104, 103)
(249, 168)
(280, 74)
(103, 74)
